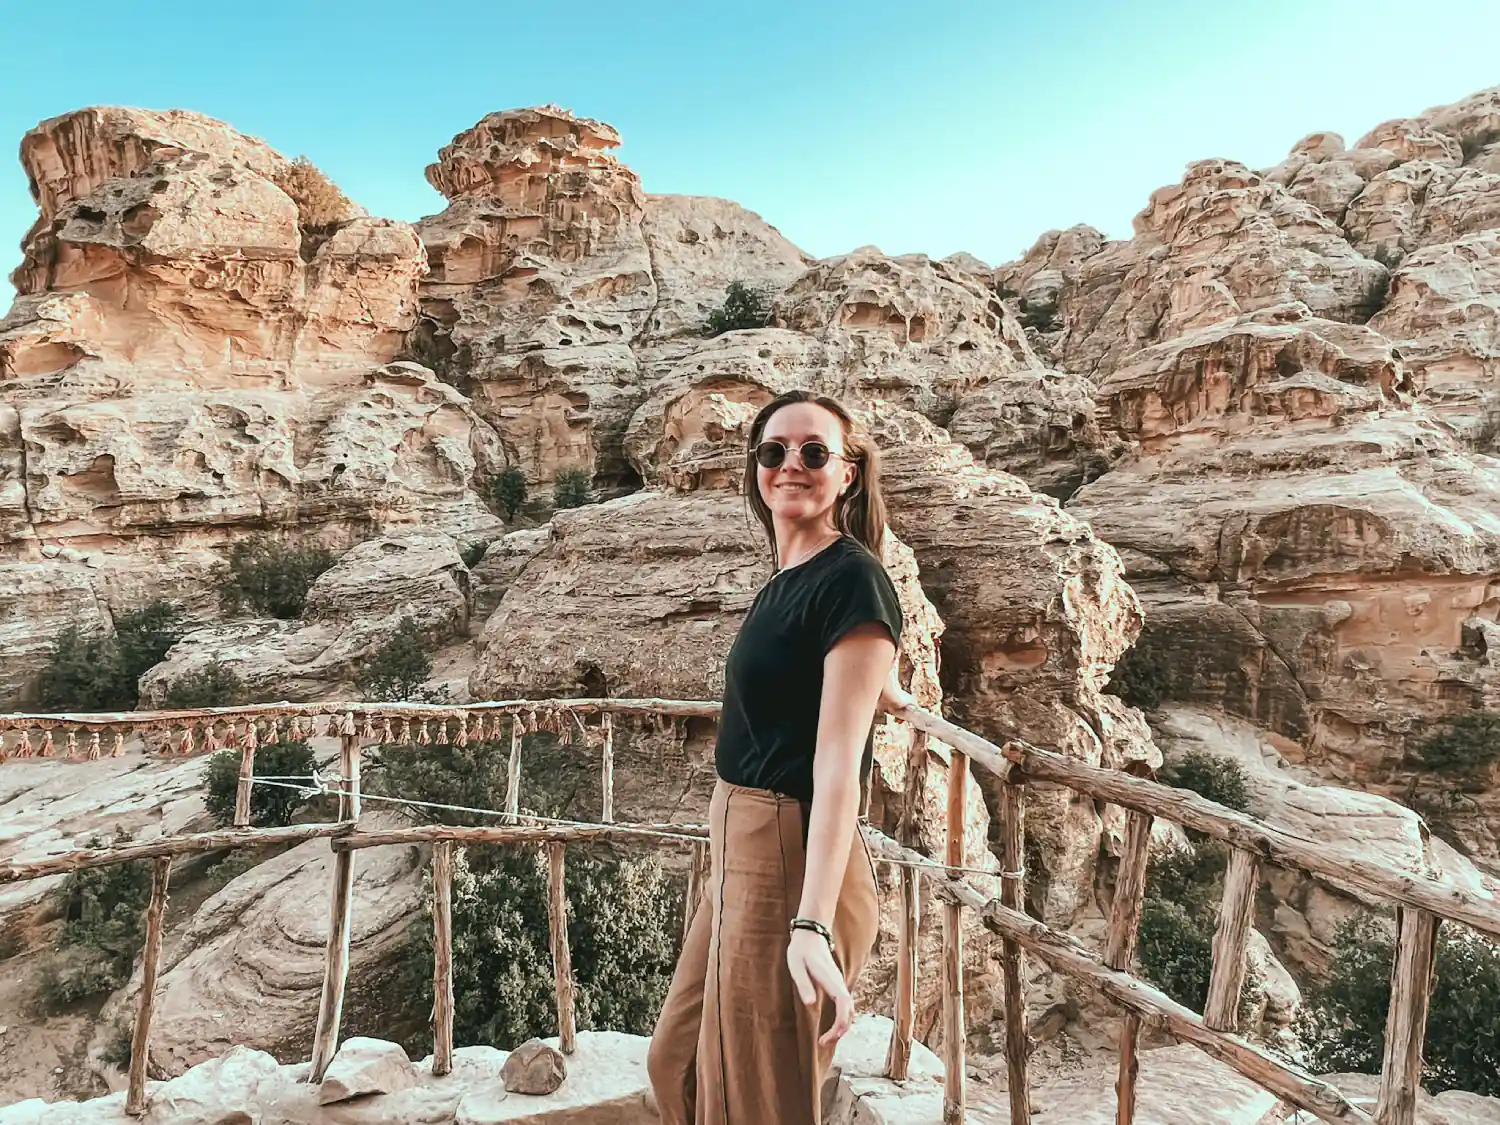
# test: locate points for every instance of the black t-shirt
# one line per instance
(773, 681)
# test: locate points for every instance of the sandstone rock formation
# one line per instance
(606, 1083)
(351, 610)
(1296, 401)
(203, 346)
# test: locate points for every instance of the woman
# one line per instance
(788, 918)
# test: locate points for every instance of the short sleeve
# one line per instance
(857, 592)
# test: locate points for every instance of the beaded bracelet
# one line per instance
(815, 926)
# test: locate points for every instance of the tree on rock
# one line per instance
(571, 489)
(743, 307)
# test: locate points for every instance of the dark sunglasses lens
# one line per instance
(770, 454)
(815, 455)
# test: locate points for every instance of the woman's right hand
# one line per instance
(814, 971)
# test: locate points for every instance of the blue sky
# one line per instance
(935, 127)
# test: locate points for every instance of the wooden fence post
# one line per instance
(955, 1076)
(1013, 966)
(607, 770)
(336, 956)
(247, 773)
(1231, 939)
(898, 1056)
(145, 1007)
(513, 778)
(442, 957)
(1406, 1022)
(1124, 925)
(562, 959)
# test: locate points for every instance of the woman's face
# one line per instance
(791, 490)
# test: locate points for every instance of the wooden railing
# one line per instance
(1422, 902)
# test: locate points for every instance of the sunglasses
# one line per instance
(814, 454)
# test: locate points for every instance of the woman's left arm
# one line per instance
(855, 671)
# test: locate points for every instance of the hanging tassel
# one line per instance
(462, 737)
(531, 721)
(185, 748)
(369, 727)
(48, 749)
(117, 747)
(423, 738)
(72, 743)
(252, 736)
(404, 734)
(4, 752)
(24, 748)
(497, 725)
(94, 752)
(385, 730)
(210, 739)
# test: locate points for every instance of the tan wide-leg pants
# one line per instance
(733, 1044)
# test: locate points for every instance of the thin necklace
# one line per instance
(821, 548)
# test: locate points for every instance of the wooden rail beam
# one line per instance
(1332, 862)
(655, 835)
(82, 859)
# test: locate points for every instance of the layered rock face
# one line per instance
(1296, 400)
(551, 270)
(203, 345)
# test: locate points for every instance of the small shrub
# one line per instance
(1463, 747)
(81, 675)
(1139, 678)
(570, 489)
(103, 932)
(1215, 776)
(271, 806)
(1343, 1019)
(743, 307)
(1175, 947)
(232, 866)
(473, 553)
(91, 670)
(213, 685)
(143, 636)
(507, 492)
(272, 577)
(118, 1045)
(624, 925)
(398, 669)
(319, 201)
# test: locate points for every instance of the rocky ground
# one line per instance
(1250, 451)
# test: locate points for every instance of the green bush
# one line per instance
(1175, 947)
(271, 577)
(102, 934)
(743, 307)
(1462, 747)
(624, 915)
(570, 489)
(213, 685)
(473, 553)
(99, 671)
(1344, 1014)
(1139, 678)
(1215, 776)
(624, 925)
(397, 671)
(271, 806)
(507, 492)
